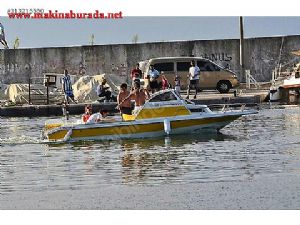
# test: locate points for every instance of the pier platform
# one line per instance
(211, 98)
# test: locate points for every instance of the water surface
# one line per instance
(267, 143)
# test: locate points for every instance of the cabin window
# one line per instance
(165, 67)
(167, 96)
(197, 110)
(207, 66)
(183, 66)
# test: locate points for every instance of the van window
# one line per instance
(183, 66)
(164, 67)
(207, 66)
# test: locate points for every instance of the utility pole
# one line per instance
(16, 43)
(92, 39)
(242, 54)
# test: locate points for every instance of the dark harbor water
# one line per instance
(267, 144)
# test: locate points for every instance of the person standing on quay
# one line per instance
(2, 36)
(136, 73)
(194, 76)
(67, 87)
(177, 84)
(153, 75)
(164, 82)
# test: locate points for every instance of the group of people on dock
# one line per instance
(152, 76)
(137, 93)
(154, 85)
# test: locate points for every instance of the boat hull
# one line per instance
(141, 129)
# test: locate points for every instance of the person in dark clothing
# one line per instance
(102, 90)
(153, 76)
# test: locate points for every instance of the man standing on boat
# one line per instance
(2, 36)
(124, 103)
(194, 76)
(139, 95)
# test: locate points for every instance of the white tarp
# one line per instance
(18, 94)
(85, 87)
(84, 90)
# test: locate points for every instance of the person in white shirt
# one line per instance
(94, 118)
(2, 36)
(101, 116)
(194, 76)
(153, 79)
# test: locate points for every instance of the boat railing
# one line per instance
(226, 107)
(279, 74)
(251, 80)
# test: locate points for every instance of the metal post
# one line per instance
(242, 60)
(279, 70)
(247, 73)
(280, 52)
(29, 97)
(47, 90)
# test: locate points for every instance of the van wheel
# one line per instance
(223, 86)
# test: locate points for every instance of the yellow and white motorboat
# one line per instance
(165, 113)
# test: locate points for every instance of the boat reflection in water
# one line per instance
(147, 161)
(165, 159)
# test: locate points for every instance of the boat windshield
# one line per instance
(188, 102)
(185, 100)
(163, 97)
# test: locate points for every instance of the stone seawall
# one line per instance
(262, 55)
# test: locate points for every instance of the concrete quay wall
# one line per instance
(262, 55)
